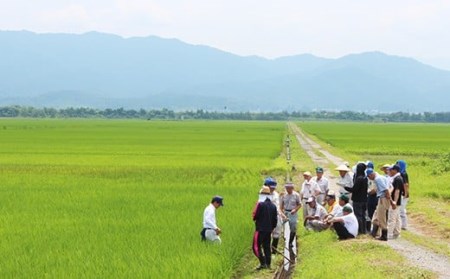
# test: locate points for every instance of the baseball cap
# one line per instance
(344, 197)
(289, 184)
(310, 199)
(395, 167)
(307, 173)
(217, 199)
(331, 194)
(319, 169)
(347, 209)
(369, 172)
(271, 182)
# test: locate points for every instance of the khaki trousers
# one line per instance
(394, 222)
(380, 217)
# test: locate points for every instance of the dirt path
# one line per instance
(418, 256)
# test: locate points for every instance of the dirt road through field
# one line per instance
(416, 255)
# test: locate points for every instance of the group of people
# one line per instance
(366, 202)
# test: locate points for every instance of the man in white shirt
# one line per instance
(344, 180)
(316, 216)
(309, 189)
(210, 229)
(322, 182)
(346, 227)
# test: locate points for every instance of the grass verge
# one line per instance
(322, 256)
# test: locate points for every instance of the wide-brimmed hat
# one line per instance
(307, 173)
(265, 190)
(342, 168)
(331, 193)
(385, 166)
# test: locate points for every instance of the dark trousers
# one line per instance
(360, 212)
(342, 231)
(372, 202)
(261, 247)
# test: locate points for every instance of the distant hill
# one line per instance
(101, 70)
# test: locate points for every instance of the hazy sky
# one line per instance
(328, 28)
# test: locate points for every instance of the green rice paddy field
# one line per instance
(102, 199)
(124, 199)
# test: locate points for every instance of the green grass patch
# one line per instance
(322, 256)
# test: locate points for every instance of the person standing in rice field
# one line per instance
(322, 182)
(309, 189)
(372, 199)
(344, 180)
(380, 216)
(211, 231)
(405, 194)
(394, 221)
(276, 234)
(265, 217)
(290, 203)
(359, 196)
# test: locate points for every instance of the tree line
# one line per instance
(167, 114)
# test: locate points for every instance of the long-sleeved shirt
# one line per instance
(343, 182)
(359, 189)
(209, 217)
(265, 216)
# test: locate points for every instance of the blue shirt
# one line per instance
(382, 185)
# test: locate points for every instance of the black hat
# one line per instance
(395, 167)
(217, 199)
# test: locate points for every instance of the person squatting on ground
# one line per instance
(290, 204)
(322, 182)
(265, 217)
(309, 189)
(394, 222)
(315, 220)
(276, 234)
(380, 216)
(334, 209)
(405, 194)
(346, 226)
(359, 196)
(211, 231)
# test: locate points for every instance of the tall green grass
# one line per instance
(99, 199)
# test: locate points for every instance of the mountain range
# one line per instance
(107, 71)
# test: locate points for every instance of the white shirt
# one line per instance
(276, 199)
(351, 224)
(337, 211)
(209, 217)
(319, 211)
(346, 181)
(309, 188)
(322, 183)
